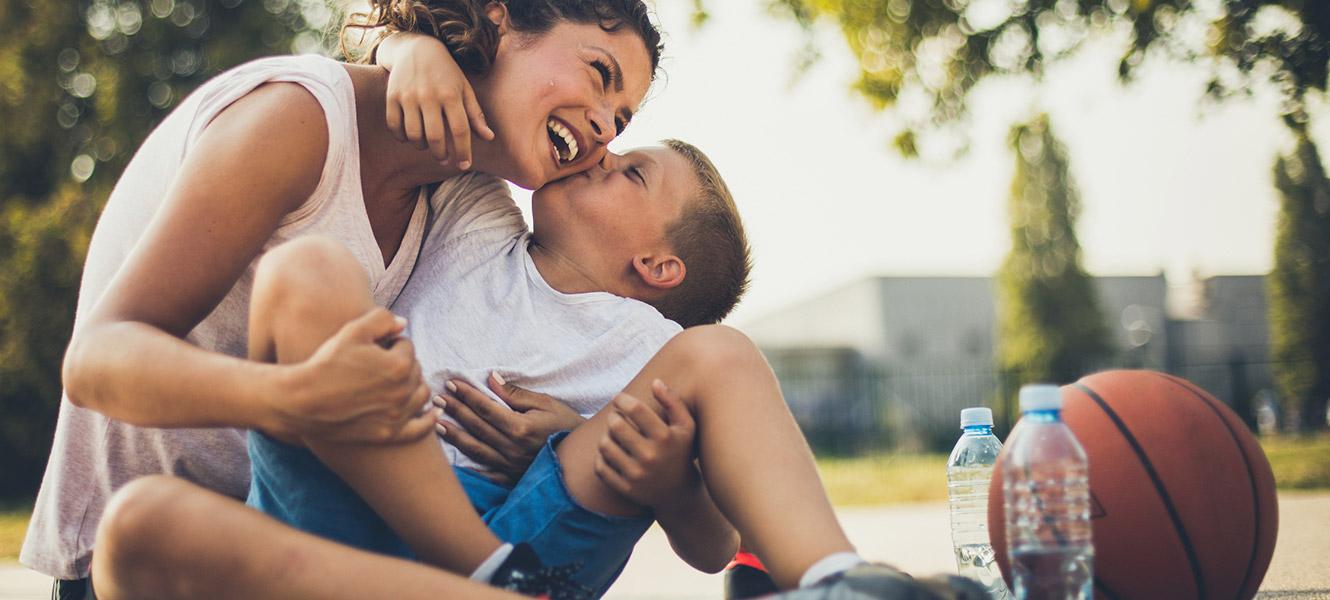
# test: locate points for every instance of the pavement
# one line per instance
(915, 538)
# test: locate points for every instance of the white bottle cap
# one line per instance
(1040, 396)
(976, 416)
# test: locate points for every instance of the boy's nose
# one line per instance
(611, 162)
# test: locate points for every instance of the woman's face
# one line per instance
(556, 99)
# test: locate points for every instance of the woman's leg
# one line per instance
(304, 292)
(755, 462)
(163, 537)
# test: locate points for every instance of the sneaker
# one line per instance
(744, 581)
(522, 572)
(881, 582)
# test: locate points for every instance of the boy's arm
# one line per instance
(430, 101)
(650, 461)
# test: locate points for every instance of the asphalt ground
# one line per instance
(915, 538)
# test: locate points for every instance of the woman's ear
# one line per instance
(662, 272)
(498, 14)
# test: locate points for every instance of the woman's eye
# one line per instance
(604, 71)
(619, 126)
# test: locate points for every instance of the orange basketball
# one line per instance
(1182, 497)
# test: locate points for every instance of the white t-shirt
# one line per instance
(476, 303)
(93, 455)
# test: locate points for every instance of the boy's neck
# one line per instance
(563, 273)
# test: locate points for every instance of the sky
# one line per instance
(1168, 181)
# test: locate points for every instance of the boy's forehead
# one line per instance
(674, 175)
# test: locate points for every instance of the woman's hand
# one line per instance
(430, 101)
(362, 385)
(501, 439)
(647, 456)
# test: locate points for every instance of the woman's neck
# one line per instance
(391, 171)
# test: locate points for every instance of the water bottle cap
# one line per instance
(1040, 396)
(976, 416)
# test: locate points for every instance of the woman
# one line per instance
(269, 151)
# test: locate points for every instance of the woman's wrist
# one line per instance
(277, 389)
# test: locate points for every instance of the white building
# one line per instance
(892, 360)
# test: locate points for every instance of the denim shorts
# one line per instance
(291, 484)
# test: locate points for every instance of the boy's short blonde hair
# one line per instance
(709, 238)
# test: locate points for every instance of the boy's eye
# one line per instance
(636, 172)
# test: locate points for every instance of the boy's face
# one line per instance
(619, 208)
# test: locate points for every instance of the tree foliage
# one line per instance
(1299, 287)
(81, 85)
(1050, 325)
(932, 52)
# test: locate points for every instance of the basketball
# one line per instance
(1182, 499)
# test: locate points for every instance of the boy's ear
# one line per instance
(659, 271)
(498, 14)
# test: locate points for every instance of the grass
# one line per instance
(1299, 463)
(13, 524)
(885, 479)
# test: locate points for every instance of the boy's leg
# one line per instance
(304, 292)
(163, 537)
(755, 462)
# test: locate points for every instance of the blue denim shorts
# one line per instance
(291, 484)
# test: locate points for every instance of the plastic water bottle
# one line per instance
(1045, 484)
(969, 471)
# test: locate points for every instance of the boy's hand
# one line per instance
(648, 456)
(430, 101)
(501, 439)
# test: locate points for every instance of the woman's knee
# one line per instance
(135, 535)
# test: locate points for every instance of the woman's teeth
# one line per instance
(564, 142)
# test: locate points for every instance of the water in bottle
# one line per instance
(969, 471)
(1045, 485)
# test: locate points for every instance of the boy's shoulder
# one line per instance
(636, 322)
(472, 202)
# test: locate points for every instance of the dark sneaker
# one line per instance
(881, 582)
(522, 572)
(744, 581)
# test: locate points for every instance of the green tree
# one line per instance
(81, 85)
(1299, 287)
(1050, 326)
(939, 49)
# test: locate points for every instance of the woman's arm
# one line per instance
(128, 358)
(502, 439)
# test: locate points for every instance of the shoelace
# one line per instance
(554, 583)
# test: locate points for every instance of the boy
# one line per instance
(573, 309)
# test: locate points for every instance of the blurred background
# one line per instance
(945, 199)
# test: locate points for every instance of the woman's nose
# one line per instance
(602, 124)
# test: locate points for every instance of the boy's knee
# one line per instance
(716, 348)
(307, 275)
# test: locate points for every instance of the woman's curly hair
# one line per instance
(473, 39)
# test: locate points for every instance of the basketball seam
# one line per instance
(1158, 484)
(1105, 590)
(1251, 478)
